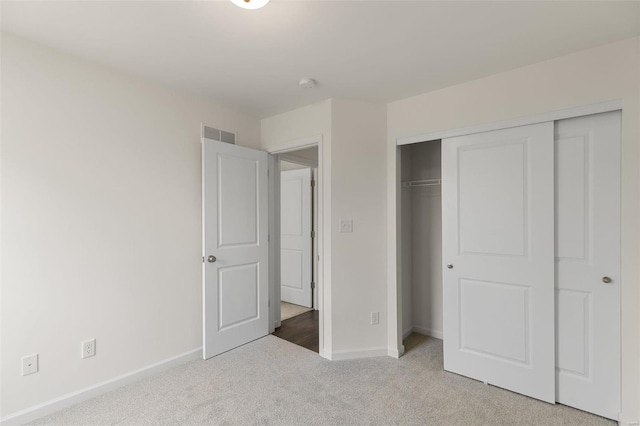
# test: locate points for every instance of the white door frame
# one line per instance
(394, 254)
(274, 227)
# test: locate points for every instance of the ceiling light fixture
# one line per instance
(250, 4)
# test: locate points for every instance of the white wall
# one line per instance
(101, 220)
(311, 120)
(604, 73)
(353, 188)
(358, 188)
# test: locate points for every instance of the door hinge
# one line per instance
(313, 285)
(202, 259)
(313, 183)
(268, 172)
(268, 238)
(269, 303)
(313, 234)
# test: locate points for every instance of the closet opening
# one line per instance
(421, 239)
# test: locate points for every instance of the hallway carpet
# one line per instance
(273, 382)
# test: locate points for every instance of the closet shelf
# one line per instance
(426, 182)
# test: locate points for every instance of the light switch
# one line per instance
(346, 225)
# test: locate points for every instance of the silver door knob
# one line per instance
(211, 259)
(606, 280)
(450, 266)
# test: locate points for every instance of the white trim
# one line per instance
(626, 422)
(394, 250)
(395, 353)
(356, 354)
(292, 158)
(322, 188)
(437, 334)
(274, 249)
(72, 398)
(297, 144)
(515, 122)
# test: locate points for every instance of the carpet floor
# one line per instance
(289, 310)
(273, 382)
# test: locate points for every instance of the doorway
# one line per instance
(296, 204)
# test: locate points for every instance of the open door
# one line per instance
(235, 247)
(295, 237)
(498, 247)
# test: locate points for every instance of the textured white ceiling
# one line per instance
(378, 51)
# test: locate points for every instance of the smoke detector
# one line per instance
(307, 83)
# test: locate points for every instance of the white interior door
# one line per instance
(235, 249)
(295, 239)
(587, 251)
(498, 244)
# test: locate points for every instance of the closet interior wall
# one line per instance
(421, 240)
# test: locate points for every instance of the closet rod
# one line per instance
(426, 182)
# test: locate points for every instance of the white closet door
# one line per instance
(295, 238)
(498, 244)
(587, 251)
(235, 248)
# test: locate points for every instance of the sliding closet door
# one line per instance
(498, 248)
(588, 263)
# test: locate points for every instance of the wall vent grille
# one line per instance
(218, 135)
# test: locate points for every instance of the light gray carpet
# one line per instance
(273, 382)
(289, 310)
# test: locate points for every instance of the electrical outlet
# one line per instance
(29, 364)
(375, 318)
(346, 225)
(88, 348)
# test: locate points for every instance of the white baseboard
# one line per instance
(72, 398)
(428, 332)
(423, 330)
(627, 422)
(395, 353)
(362, 353)
(407, 333)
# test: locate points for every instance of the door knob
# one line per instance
(606, 280)
(211, 259)
(450, 266)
